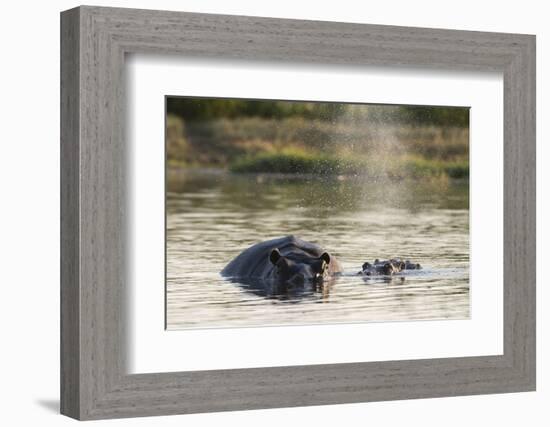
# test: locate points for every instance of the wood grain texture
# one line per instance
(70, 221)
(95, 274)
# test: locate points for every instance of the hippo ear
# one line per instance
(325, 257)
(274, 256)
(388, 269)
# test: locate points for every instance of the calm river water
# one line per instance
(212, 216)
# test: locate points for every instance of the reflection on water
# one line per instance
(212, 216)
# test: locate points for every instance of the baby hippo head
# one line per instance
(298, 270)
(386, 268)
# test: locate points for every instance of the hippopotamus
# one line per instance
(388, 267)
(286, 260)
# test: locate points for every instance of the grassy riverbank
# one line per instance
(358, 143)
(397, 168)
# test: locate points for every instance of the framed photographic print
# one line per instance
(263, 213)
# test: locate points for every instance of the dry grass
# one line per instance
(296, 144)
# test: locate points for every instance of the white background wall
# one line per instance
(29, 212)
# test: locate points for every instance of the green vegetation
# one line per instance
(299, 162)
(318, 138)
(202, 109)
(419, 167)
(304, 163)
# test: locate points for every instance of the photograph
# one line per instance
(283, 212)
(294, 212)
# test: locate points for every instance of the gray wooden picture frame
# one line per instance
(94, 381)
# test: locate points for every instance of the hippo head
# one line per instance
(386, 268)
(299, 270)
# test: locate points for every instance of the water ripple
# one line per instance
(212, 218)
